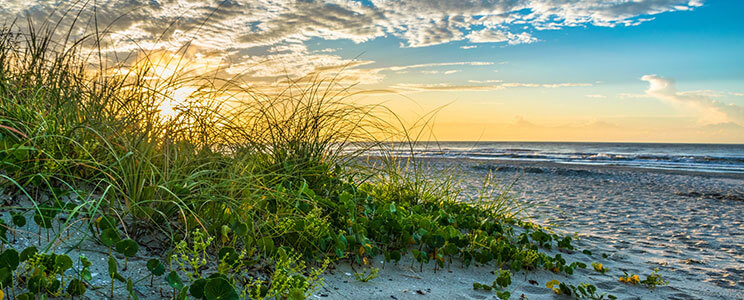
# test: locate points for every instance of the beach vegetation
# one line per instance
(629, 278)
(654, 279)
(580, 291)
(365, 276)
(600, 268)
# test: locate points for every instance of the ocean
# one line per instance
(718, 158)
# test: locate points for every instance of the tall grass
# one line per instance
(67, 121)
(282, 164)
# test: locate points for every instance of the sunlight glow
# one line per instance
(177, 99)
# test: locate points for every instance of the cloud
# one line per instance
(275, 33)
(496, 36)
(700, 103)
(241, 24)
(447, 72)
(493, 87)
(469, 47)
(486, 81)
(595, 96)
(445, 64)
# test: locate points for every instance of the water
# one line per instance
(719, 158)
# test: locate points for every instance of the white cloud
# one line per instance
(486, 81)
(432, 72)
(495, 36)
(469, 47)
(595, 96)
(498, 85)
(241, 24)
(709, 111)
(275, 32)
(446, 64)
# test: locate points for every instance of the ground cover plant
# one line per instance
(251, 195)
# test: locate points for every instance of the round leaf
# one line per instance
(128, 247)
(228, 255)
(219, 288)
(110, 236)
(28, 253)
(43, 221)
(197, 288)
(19, 220)
(155, 267)
(106, 222)
(62, 263)
(174, 281)
(9, 259)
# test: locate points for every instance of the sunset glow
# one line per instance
(643, 71)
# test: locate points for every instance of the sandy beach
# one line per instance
(687, 224)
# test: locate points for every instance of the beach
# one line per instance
(685, 223)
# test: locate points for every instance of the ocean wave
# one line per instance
(705, 158)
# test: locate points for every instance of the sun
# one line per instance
(176, 100)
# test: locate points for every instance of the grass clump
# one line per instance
(252, 195)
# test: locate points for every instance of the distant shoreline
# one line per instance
(549, 164)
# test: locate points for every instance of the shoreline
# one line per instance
(583, 166)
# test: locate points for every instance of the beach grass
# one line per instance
(250, 193)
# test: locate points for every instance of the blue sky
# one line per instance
(618, 70)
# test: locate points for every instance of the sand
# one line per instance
(687, 224)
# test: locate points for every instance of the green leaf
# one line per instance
(84, 260)
(266, 245)
(110, 236)
(106, 222)
(26, 296)
(18, 220)
(28, 253)
(183, 294)
(9, 259)
(344, 197)
(128, 247)
(62, 263)
(296, 294)
(228, 255)
(197, 288)
(112, 266)
(130, 289)
(87, 275)
(436, 241)
(5, 276)
(155, 267)
(240, 228)
(219, 288)
(54, 286)
(42, 220)
(174, 281)
(76, 287)
(341, 243)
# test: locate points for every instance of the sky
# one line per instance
(492, 70)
